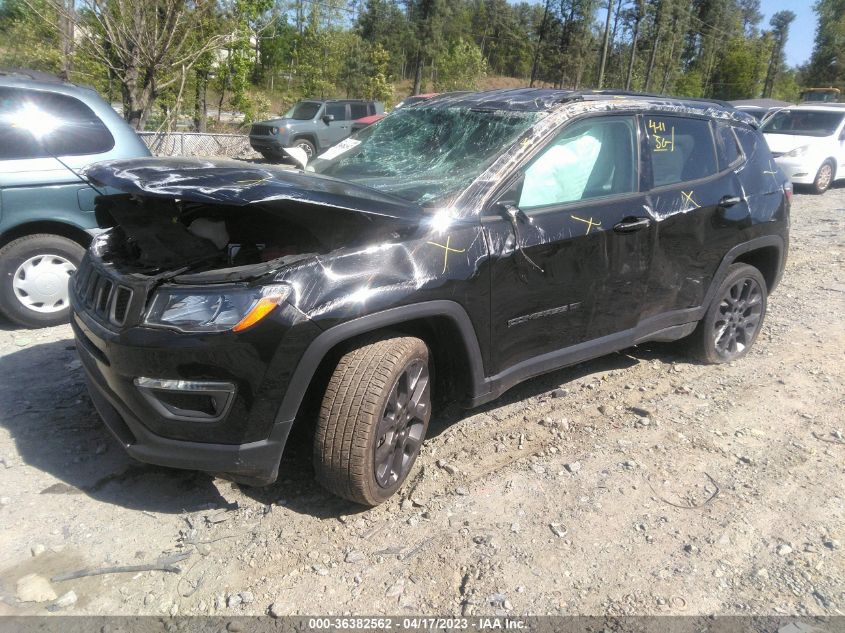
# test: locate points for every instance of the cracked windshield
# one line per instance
(423, 154)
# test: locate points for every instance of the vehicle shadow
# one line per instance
(8, 326)
(45, 408)
(298, 491)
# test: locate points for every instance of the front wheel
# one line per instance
(734, 319)
(373, 419)
(306, 146)
(34, 274)
(824, 178)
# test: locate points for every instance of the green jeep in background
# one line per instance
(49, 131)
(313, 126)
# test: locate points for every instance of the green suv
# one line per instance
(49, 131)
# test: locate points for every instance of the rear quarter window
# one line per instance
(759, 174)
(37, 124)
(727, 147)
(358, 110)
(680, 149)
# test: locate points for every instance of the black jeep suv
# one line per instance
(454, 250)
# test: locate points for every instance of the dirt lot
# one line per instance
(569, 495)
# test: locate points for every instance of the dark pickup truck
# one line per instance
(465, 245)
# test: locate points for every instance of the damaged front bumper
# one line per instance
(255, 463)
(267, 144)
(206, 402)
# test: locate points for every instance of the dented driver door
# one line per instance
(571, 258)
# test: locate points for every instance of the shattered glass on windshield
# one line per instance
(424, 154)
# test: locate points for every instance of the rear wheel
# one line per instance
(734, 319)
(34, 275)
(373, 419)
(824, 178)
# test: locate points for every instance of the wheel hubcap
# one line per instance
(41, 283)
(400, 432)
(825, 174)
(307, 149)
(739, 317)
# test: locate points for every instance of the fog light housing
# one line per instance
(188, 400)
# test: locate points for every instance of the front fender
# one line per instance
(328, 339)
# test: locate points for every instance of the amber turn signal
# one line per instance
(264, 306)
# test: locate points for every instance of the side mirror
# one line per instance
(511, 196)
(328, 118)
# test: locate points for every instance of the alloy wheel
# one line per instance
(306, 147)
(825, 176)
(402, 425)
(740, 312)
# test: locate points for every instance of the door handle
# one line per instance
(729, 201)
(629, 225)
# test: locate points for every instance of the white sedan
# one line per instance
(808, 143)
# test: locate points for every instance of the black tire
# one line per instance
(734, 318)
(824, 178)
(14, 256)
(362, 419)
(306, 145)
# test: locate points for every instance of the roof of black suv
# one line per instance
(318, 100)
(544, 99)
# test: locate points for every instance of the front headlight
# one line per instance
(798, 152)
(213, 309)
(274, 130)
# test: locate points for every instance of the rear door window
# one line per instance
(681, 149)
(37, 124)
(338, 110)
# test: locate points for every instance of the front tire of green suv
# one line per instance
(34, 274)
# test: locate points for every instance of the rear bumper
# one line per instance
(255, 463)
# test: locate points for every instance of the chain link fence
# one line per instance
(198, 144)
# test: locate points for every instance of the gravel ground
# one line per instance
(639, 483)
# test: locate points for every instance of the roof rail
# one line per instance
(650, 95)
(34, 75)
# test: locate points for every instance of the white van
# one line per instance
(808, 143)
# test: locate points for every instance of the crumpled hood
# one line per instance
(783, 143)
(240, 183)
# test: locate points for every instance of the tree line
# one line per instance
(169, 58)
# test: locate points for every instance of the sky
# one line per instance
(802, 32)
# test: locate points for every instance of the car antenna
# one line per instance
(46, 148)
(77, 174)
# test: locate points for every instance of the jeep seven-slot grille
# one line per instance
(102, 296)
(261, 130)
